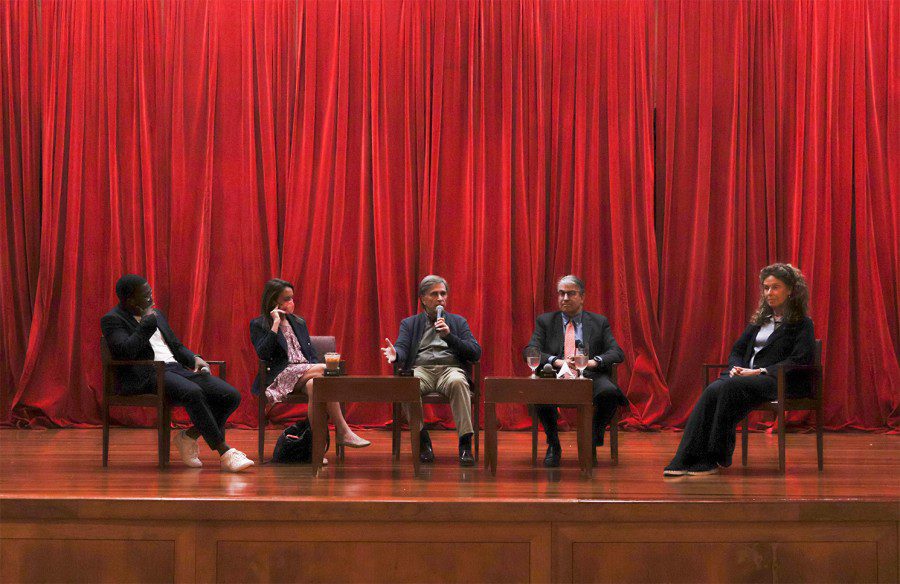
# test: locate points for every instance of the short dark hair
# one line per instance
(271, 291)
(127, 284)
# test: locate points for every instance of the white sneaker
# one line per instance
(235, 461)
(188, 449)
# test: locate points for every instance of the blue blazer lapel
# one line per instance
(418, 332)
(587, 332)
(557, 339)
(280, 336)
(418, 329)
(127, 317)
(301, 336)
(776, 334)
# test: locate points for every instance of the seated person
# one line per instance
(135, 330)
(557, 335)
(281, 339)
(437, 346)
(780, 333)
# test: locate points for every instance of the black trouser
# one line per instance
(607, 397)
(709, 436)
(209, 401)
(605, 406)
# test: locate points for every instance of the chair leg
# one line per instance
(781, 439)
(105, 433)
(168, 435)
(745, 435)
(820, 446)
(339, 448)
(613, 440)
(261, 428)
(534, 433)
(477, 427)
(162, 430)
(395, 432)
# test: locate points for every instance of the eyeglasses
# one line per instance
(568, 293)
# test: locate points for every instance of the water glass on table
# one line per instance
(533, 359)
(581, 361)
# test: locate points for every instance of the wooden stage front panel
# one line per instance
(65, 518)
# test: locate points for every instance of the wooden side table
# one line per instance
(362, 388)
(525, 390)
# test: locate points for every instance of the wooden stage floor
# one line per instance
(361, 517)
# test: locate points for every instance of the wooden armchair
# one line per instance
(783, 404)
(436, 398)
(145, 400)
(322, 345)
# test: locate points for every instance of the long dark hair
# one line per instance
(797, 304)
(271, 291)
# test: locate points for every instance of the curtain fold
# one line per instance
(775, 144)
(20, 177)
(663, 151)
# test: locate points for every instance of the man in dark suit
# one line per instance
(134, 330)
(438, 347)
(557, 335)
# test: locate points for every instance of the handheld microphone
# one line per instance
(440, 311)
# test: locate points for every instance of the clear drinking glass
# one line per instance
(581, 361)
(332, 361)
(533, 358)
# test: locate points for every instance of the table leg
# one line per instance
(415, 425)
(490, 437)
(584, 439)
(319, 427)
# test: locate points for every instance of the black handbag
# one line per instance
(295, 444)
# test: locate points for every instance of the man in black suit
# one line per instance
(438, 347)
(134, 330)
(556, 336)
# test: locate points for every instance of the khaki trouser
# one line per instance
(450, 382)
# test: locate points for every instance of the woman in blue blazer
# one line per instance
(281, 339)
(780, 333)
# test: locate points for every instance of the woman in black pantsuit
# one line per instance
(780, 333)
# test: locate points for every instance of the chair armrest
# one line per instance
(475, 378)
(220, 364)
(395, 367)
(159, 371)
(707, 367)
(789, 368)
(817, 381)
(119, 363)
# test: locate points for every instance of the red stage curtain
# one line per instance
(353, 147)
(20, 178)
(775, 128)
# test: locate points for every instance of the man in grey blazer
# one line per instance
(556, 336)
